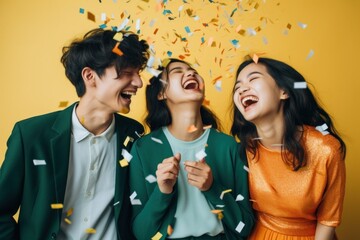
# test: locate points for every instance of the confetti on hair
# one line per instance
(170, 230)
(133, 200)
(240, 227)
(63, 103)
(257, 138)
(57, 206)
(191, 128)
(255, 58)
(118, 36)
(117, 50)
(156, 140)
(224, 192)
(103, 26)
(151, 178)
(90, 231)
(300, 85)
(165, 62)
(239, 197)
(157, 236)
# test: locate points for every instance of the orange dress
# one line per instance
(288, 204)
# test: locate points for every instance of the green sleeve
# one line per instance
(11, 183)
(149, 217)
(235, 213)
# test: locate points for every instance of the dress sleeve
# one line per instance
(330, 209)
(238, 218)
(11, 183)
(149, 213)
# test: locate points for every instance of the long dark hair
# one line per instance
(158, 114)
(301, 108)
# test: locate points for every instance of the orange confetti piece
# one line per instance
(56, 206)
(182, 57)
(220, 216)
(63, 104)
(192, 128)
(216, 211)
(288, 26)
(170, 230)
(124, 163)
(91, 16)
(214, 81)
(69, 212)
(207, 127)
(206, 102)
(90, 230)
(156, 30)
(117, 50)
(255, 58)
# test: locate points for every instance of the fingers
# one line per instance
(199, 174)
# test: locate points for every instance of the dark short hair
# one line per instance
(94, 50)
(158, 114)
(301, 108)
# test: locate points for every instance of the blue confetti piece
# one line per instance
(166, 11)
(169, 53)
(82, 11)
(187, 29)
(202, 40)
(103, 26)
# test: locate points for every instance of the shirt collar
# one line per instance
(80, 133)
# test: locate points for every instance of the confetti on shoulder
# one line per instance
(156, 140)
(57, 206)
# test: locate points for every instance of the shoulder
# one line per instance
(40, 120)
(153, 139)
(320, 140)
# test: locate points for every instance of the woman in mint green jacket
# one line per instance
(187, 180)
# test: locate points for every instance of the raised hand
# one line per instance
(199, 174)
(167, 173)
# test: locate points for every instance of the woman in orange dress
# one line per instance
(295, 156)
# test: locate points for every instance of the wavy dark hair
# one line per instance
(158, 114)
(94, 50)
(301, 108)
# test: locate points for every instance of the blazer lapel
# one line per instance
(60, 149)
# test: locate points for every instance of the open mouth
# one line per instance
(249, 100)
(127, 94)
(191, 84)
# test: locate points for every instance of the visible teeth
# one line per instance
(129, 93)
(245, 100)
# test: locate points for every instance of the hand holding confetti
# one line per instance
(199, 174)
(167, 172)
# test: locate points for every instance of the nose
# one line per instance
(244, 89)
(137, 81)
(190, 72)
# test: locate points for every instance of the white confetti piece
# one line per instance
(218, 85)
(239, 197)
(300, 85)
(38, 162)
(246, 168)
(137, 24)
(103, 17)
(310, 55)
(153, 71)
(322, 129)
(240, 227)
(126, 155)
(116, 203)
(150, 178)
(133, 200)
(156, 140)
(201, 154)
(302, 25)
(123, 24)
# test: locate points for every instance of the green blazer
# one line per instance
(35, 188)
(157, 210)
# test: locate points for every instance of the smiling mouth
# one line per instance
(191, 84)
(249, 100)
(127, 94)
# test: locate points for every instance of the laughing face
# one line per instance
(256, 94)
(114, 92)
(183, 84)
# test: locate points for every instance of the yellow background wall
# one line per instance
(33, 33)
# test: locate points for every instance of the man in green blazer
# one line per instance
(67, 170)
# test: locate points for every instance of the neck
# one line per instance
(94, 120)
(186, 122)
(271, 133)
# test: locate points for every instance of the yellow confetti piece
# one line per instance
(165, 62)
(170, 230)
(157, 236)
(90, 231)
(69, 212)
(206, 102)
(127, 140)
(56, 206)
(82, 120)
(67, 220)
(118, 36)
(191, 129)
(124, 163)
(116, 49)
(220, 216)
(224, 192)
(63, 104)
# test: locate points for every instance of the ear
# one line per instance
(284, 95)
(88, 75)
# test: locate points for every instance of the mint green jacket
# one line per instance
(35, 188)
(157, 210)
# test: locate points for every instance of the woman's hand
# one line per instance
(167, 173)
(199, 174)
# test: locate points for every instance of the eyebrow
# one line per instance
(252, 73)
(177, 68)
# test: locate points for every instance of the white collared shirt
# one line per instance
(90, 186)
